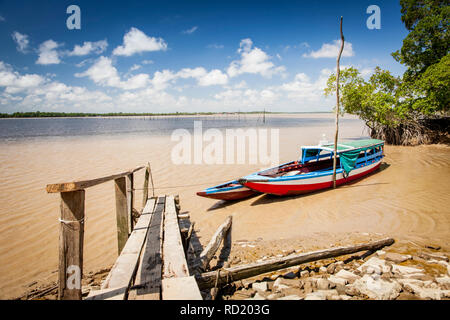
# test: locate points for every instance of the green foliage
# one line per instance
(428, 40)
(386, 102)
(376, 101)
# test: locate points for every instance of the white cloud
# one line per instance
(302, 88)
(215, 46)
(254, 61)
(136, 41)
(21, 41)
(88, 48)
(2, 19)
(104, 73)
(48, 53)
(191, 30)
(135, 67)
(246, 98)
(331, 50)
(147, 62)
(203, 77)
(33, 92)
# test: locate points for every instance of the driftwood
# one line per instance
(187, 240)
(227, 275)
(209, 251)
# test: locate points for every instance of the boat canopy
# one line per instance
(348, 151)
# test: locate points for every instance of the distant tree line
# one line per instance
(39, 114)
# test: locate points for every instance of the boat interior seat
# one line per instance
(292, 173)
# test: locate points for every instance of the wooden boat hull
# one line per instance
(228, 191)
(298, 185)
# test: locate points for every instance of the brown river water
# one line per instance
(408, 198)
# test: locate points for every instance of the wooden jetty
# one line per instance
(152, 261)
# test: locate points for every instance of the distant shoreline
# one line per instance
(38, 114)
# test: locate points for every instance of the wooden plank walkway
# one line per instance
(152, 264)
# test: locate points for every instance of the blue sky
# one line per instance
(166, 56)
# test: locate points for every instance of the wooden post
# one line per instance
(71, 245)
(338, 72)
(130, 202)
(145, 193)
(151, 178)
(121, 212)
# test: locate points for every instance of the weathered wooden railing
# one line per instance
(72, 224)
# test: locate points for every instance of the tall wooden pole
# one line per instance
(338, 71)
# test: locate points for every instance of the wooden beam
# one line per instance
(130, 201)
(71, 245)
(81, 185)
(175, 264)
(147, 284)
(125, 266)
(184, 288)
(214, 244)
(209, 279)
(145, 187)
(121, 212)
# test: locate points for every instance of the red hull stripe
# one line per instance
(282, 190)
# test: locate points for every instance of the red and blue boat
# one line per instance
(355, 159)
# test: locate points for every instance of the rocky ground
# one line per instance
(404, 271)
(90, 281)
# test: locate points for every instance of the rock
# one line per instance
(432, 256)
(340, 289)
(308, 287)
(323, 284)
(304, 274)
(260, 286)
(421, 292)
(444, 282)
(274, 296)
(335, 297)
(321, 295)
(291, 297)
(445, 293)
(278, 285)
(322, 270)
(380, 252)
(344, 297)
(331, 268)
(378, 288)
(290, 275)
(257, 297)
(374, 265)
(243, 294)
(347, 275)
(294, 283)
(352, 291)
(397, 258)
(406, 271)
(337, 280)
